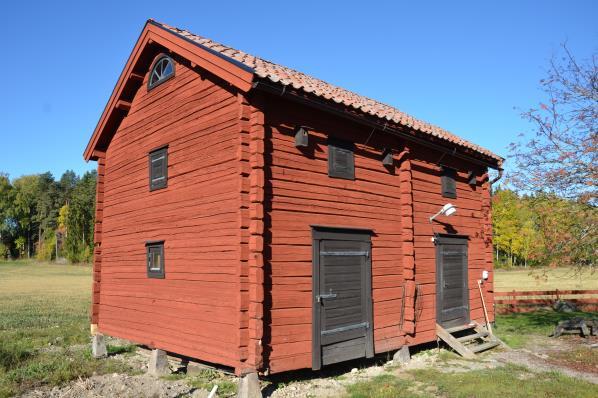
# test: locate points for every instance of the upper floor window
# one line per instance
(158, 168)
(162, 70)
(449, 185)
(341, 162)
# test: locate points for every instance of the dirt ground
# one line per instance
(541, 354)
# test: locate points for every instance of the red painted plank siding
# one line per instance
(236, 219)
(471, 219)
(397, 204)
(299, 193)
(191, 311)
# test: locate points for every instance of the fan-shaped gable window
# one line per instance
(162, 70)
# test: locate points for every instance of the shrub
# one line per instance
(47, 251)
(4, 251)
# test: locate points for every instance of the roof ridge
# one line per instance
(287, 76)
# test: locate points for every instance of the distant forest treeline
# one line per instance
(46, 218)
(543, 230)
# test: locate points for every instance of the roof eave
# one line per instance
(230, 70)
(384, 125)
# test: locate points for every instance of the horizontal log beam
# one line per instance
(123, 105)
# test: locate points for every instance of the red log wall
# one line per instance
(191, 311)
(299, 193)
(471, 219)
(236, 219)
(396, 204)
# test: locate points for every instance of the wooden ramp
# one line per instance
(469, 339)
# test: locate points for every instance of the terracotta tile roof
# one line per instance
(300, 81)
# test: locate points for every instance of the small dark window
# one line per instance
(449, 187)
(158, 168)
(341, 162)
(155, 259)
(162, 70)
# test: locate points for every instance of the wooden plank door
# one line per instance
(452, 292)
(342, 297)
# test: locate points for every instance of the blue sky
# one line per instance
(461, 65)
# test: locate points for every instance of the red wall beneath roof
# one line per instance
(299, 193)
(471, 219)
(210, 216)
(195, 310)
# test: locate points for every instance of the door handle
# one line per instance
(330, 295)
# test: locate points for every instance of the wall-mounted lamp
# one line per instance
(447, 210)
(301, 137)
(387, 158)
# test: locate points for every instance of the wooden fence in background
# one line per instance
(515, 301)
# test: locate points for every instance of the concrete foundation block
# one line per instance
(402, 356)
(98, 346)
(249, 386)
(158, 363)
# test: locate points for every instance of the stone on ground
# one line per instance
(158, 364)
(249, 386)
(98, 346)
(402, 356)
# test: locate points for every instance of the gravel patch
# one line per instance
(117, 385)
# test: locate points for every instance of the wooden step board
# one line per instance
(472, 338)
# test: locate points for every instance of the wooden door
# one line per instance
(342, 296)
(452, 293)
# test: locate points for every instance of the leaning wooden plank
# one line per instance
(453, 343)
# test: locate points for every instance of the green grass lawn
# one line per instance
(506, 381)
(517, 329)
(44, 326)
(544, 279)
(44, 339)
(514, 329)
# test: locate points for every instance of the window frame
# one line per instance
(158, 59)
(336, 145)
(150, 246)
(157, 151)
(448, 182)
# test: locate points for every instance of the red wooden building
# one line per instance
(256, 217)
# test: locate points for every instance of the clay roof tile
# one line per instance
(289, 77)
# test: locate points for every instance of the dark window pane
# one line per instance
(155, 259)
(341, 162)
(162, 70)
(158, 168)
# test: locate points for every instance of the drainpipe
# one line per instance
(498, 177)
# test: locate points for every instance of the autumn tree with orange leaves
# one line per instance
(561, 156)
(556, 166)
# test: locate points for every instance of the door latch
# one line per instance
(330, 295)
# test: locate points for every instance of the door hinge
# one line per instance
(365, 325)
(346, 253)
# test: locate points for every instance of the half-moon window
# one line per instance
(162, 70)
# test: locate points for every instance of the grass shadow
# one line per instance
(516, 329)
